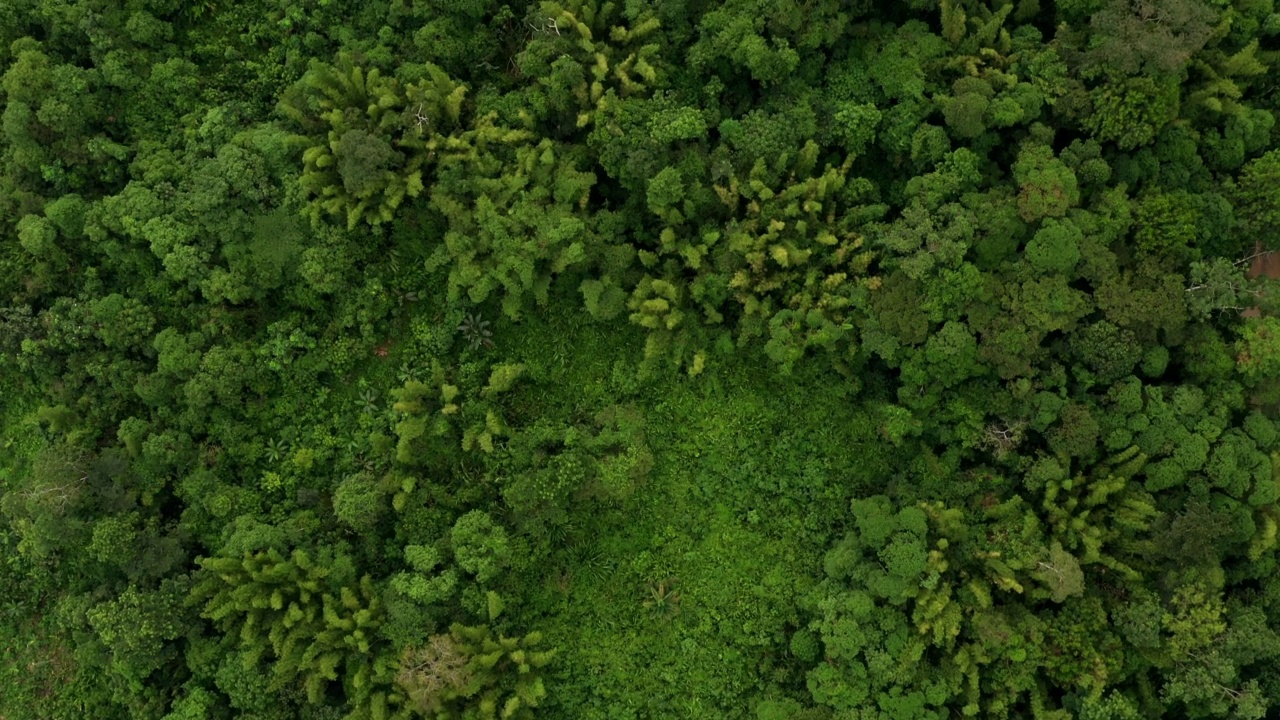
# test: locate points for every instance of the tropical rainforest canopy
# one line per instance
(747, 359)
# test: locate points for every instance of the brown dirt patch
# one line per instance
(1264, 263)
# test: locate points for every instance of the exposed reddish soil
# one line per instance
(1263, 264)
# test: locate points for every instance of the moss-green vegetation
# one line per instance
(583, 360)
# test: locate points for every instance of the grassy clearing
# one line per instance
(680, 601)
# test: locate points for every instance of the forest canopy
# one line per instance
(591, 360)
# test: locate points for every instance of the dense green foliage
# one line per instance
(465, 360)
